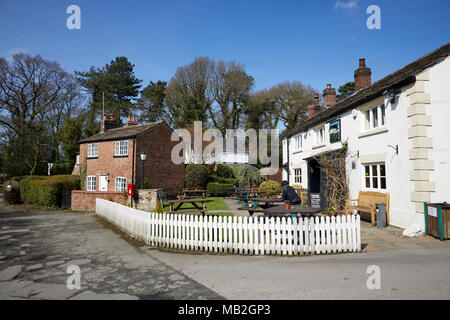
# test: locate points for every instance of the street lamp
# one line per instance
(143, 157)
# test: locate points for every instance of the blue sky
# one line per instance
(315, 42)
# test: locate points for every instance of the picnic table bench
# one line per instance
(297, 209)
(175, 205)
(194, 193)
(266, 202)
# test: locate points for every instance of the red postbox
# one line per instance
(131, 189)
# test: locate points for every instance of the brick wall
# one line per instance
(162, 173)
(276, 177)
(108, 163)
(85, 200)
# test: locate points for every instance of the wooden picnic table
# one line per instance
(267, 202)
(180, 203)
(298, 209)
(194, 193)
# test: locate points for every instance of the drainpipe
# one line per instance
(288, 169)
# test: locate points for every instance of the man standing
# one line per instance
(289, 193)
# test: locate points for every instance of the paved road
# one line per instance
(37, 247)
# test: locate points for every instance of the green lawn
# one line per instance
(213, 203)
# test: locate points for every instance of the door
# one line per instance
(103, 183)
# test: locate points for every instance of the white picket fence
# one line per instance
(236, 235)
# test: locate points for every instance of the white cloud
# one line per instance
(351, 4)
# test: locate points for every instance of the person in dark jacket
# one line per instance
(289, 193)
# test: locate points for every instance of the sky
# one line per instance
(314, 42)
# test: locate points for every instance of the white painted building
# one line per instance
(408, 111)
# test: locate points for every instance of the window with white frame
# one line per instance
(375, 117)
(91, 184)
(298, 175)
(121, 148)
(320, 135)
(121, 183)
(92, 151)
(298, 142)
(375, 176)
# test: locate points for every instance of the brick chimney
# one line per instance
(329, 96)
(315, 108)
(131, 121)
(107, 123)
(362, 76)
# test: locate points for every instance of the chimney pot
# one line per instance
(362, 62)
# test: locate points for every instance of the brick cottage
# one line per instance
(110, 160)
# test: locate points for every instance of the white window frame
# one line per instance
(298, 142)
(92, 150)
(320, 135)
(298, 177)
(121, 148)
(91, 183)
(122, 184)
(374, 117)
(371, 176)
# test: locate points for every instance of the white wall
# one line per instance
(439, 89)
(398, 167)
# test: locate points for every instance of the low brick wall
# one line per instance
(146, 199)
(85, 200)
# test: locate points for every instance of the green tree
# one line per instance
(345, 90)
(118, 83)
(151, 103)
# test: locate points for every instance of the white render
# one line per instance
(417, 123)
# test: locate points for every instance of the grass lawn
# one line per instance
(213, 204)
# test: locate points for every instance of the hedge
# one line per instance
(214, 178)
(196, 176)
(45, 191)
(223, 171)
(218, 189)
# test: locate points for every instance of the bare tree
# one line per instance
(32, 92)
(231, 88)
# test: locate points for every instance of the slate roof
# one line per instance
(396, 79)
(121, 133)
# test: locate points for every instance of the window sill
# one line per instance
(92, 157)
(372, 132)
(318, 146)
(297, 151)
(124, 156)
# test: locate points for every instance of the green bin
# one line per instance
(437, 220)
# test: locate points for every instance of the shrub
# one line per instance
(216, 189)
(214, 178)
(272, 187)
(246, 176)
(224, 171)
(42, 191)
(13, 196)
(196, 176)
